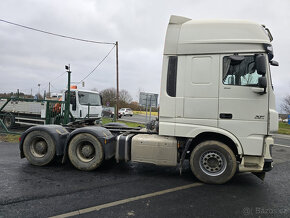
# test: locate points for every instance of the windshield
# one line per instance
(86, 98)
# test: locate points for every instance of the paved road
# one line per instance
(138, 118)
(282, 139)
(137, 190)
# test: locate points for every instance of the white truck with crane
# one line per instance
(83, 104)
(217, 109)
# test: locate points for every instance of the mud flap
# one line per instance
(260, 175)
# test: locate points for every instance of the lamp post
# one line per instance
(38, 96)
(67, 97)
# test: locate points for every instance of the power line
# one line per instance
(57, 77)
(51, 81)
(67, 37)
(98, 64)
(56, 34)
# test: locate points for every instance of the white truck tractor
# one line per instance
(217, 109)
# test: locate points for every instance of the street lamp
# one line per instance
(67, 97)
(38, 91)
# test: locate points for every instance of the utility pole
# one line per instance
(49, 89)
(117, 78)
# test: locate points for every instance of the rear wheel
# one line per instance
(39, 148)
(9, 120)
(85, 152)
(213, 162)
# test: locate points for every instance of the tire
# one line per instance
(39, 148)
(9, 120)
(85, 152)
(213, 162)
(131, 115)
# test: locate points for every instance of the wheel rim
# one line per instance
(8, 121)
(213, 163)
(85, 151)
(38, 147)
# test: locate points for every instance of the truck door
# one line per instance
(73, 104)
(196, 92)
(242, 111)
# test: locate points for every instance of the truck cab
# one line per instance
(216, 81)
(84, 103)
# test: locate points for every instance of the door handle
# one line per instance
(226, 116)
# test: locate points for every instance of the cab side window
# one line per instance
(171, 76)
(240, 73)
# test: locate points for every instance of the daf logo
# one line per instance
(259, 117)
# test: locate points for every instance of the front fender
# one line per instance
(106, 138)
(58, 133)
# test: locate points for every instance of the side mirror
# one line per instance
(262, 85)
(262, 82)
(101, 97)
(270, 52)
(261, 64)
(274, 63)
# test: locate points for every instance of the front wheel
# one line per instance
(85, 152)
(213, 162)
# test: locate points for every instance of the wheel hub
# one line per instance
(87, 151)
(8, 121)
(38, 148)
(213, 163)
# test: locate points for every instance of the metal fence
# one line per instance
(14, 111)
(55, 112)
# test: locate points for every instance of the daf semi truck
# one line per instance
(217, 109)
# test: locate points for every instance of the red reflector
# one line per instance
(19, 139)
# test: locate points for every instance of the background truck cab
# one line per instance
(84, 103)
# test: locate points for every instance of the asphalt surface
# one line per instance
(121, 190)
(138, 118)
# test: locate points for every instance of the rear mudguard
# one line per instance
(58, 133)
(104, 136)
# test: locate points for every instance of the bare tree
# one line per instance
(125, 96)
(109, 97)
(285, 106)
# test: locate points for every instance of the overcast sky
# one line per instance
(28, 58)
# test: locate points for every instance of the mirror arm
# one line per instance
(258, 90)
